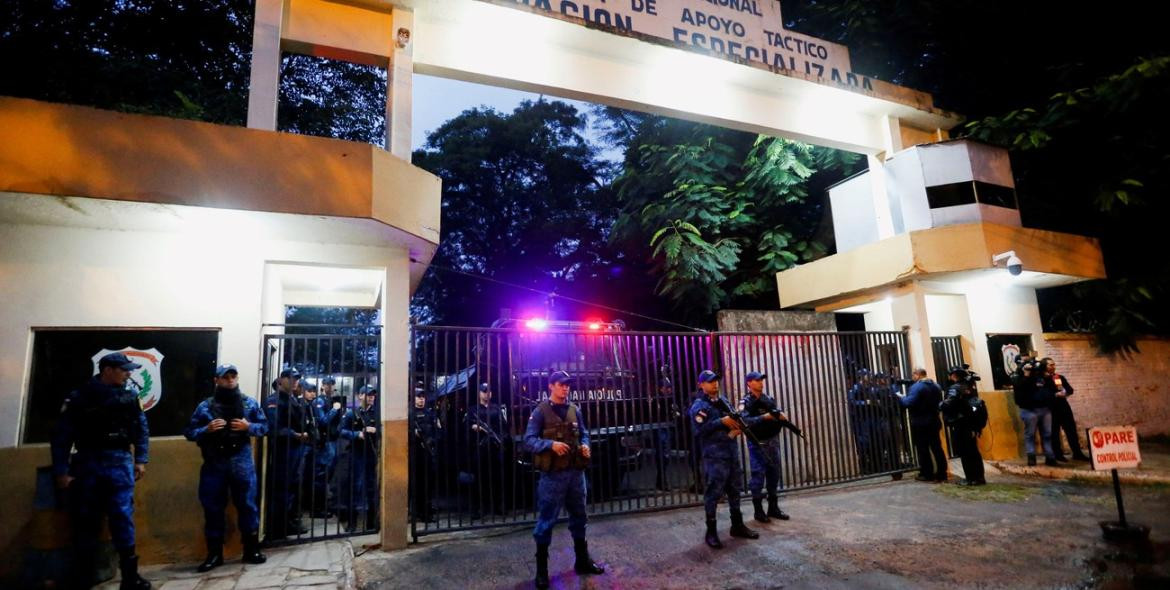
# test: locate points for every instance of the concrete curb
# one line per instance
(1127, 477)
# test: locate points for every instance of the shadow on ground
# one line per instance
(1015, 533)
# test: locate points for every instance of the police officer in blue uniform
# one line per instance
(222, 425)
(359, 490)
(761, 415)
(102, 419)
(715, 432)
(559, 442)
(288, 435)
(327, 408)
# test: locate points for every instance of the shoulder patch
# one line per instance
(700, 416)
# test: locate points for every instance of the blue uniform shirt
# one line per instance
(707, 426)
(257, 421)
(68, 426)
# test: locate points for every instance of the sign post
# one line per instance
(1113, 448)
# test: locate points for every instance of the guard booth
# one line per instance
(327, 485)
(469, 468)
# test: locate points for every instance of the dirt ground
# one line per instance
(1015, 533)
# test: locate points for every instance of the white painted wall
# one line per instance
(854, 218)
(78, 277)
(997, 309)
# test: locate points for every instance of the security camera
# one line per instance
(1014, 265)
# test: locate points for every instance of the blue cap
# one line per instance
(367, 389)
(560, 377)
(754, 376)
(291, 373)
(329, 381)
(117, 359)
(485, 387)
(708, 376)
(307, 385)
(222, 370)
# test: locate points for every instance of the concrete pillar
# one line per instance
(393, 382)
(908, 311)
(399, 81)
(264, 82)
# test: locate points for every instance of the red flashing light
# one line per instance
(536, 324)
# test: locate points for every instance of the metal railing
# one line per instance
(320, 470)
(470, 468)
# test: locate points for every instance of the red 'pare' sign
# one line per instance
(1114, 447)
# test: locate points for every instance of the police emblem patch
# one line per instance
(146, 382)
(700, 416)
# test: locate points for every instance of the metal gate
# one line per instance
(320, 467)
(948, 352)
(474, 389)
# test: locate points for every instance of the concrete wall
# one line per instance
(740, 320)
(1111, 390)
(71, 277)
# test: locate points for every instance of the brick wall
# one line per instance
(1114, 390)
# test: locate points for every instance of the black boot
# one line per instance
(541, 581)
(774, 510)
(584, 564)
(1031, 459)
(712, 537)
(129, 566)
(739, 529)
(1051, 462)
(758, 506)
(214, 556)
(252, 549)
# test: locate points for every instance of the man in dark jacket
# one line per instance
(1062, 414)
(959, 410)
(922, 404)
(1034, 399)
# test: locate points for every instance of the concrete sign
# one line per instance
(737, 30)
(1114, 447)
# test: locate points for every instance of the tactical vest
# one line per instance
(566, 431)
(763, 429)
(107, 422)
(225, 442)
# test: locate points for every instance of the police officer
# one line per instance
(360, 492)
(559, 442)
(666, 411)
(1062, 414)
(862, 419)
(221, 426)
(760, 414)
(715, 431)
(489, 448)
(958, 408)
(922, 404)
(288, 432)
(425, 430)
(327, 408)
(103, 419)
(306, 393)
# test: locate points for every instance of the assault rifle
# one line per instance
(485, 428)
(786, 423)
(742, 426)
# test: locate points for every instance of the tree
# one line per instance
(523, 203)
(716, 212)
(1077, 96)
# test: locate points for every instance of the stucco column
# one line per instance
(400, 81)
(393, 385)
(908, 311)
(264, 82)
